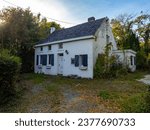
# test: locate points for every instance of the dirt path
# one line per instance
(73, 103)
(146, 79)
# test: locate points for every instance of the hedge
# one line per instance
(9, 70)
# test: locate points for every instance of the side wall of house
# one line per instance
(69, 50)
(101, 40)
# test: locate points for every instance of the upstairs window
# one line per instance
(49, 47)
(60, 46)
(51, 59)
(43, 60)
(41, 48)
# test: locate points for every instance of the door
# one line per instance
(60, 63)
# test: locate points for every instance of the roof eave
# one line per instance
(67, 40)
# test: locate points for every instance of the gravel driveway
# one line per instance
(146, 79)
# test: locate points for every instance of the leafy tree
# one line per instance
(20, 31)
(142, 23)
(123, 32)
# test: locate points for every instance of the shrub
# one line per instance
(141, 60)
(109, 68)
(9, 70)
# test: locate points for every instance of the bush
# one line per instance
(142, 62)
(108, 67)
(9, 70)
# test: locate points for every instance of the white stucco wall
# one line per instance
(125, 58)
(74, 48)
(100, 42)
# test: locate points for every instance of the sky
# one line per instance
(72, 12)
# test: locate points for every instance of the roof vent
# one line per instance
(52, 29)
(91, 19)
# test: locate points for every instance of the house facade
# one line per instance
(74, 51)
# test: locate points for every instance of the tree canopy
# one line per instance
(20, 30)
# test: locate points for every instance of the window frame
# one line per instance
(60, 46)
(49, 47)
(41, 48)
(44, 63)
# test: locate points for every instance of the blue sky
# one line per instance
(77, 11)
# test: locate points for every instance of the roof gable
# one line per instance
(81, 30)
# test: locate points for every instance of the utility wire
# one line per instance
(40, 14)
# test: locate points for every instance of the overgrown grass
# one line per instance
(108, 95)
(52, 87)
(125, 92)
(134, 104)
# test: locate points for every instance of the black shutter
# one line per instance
(37, 60)
(52, 59)
(76, 60)
(85, 60)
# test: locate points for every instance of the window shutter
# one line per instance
(76, 60)
(37, 60)
(52, 57)
(85, 60)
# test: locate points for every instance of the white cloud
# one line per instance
(54, 9)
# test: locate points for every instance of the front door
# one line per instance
(60, 63)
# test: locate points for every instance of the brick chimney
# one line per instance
(91, 19)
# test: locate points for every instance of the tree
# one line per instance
(44, 28)
(20, 31)
(142, 23)
(123, 32)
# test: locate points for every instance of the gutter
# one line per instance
(67, 40)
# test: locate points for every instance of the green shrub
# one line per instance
(9, 70)
(108, 68)
(141, 61)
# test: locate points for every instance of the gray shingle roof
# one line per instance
(85, 29)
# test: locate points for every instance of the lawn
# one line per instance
(41, 93)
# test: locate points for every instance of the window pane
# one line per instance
(49, 47)
(43, 59)
(84, 60)
(51, 59)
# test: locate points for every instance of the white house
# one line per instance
(74, 50)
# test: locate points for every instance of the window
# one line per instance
(43, 60)
(72, 60)
(60, 46)
(41, 48)
(51, 59)
(49, 47)
(37, 60)
(81, 60)
(84, 60)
